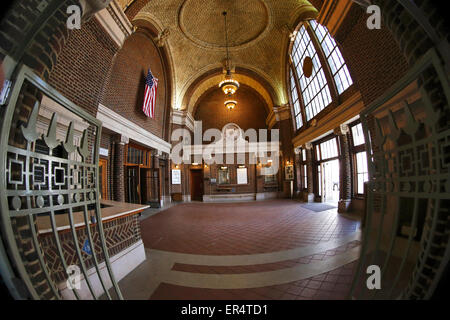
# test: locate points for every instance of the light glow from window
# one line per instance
(329, 149)
(358, 135)
(315, 91)
(296, 102)
(334, 57)
(362, 173)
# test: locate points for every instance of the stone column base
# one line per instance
(344, 205)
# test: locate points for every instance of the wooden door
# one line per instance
(197, 185)
(103, 178)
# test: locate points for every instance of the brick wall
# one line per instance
(20, 23)
(372, 56)
(83, 65)
(118, 190)
(119, 233)
(134, 8)
(249, 113)
(124, 91)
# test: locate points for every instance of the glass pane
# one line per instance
(334, 57)
(358, 135)
(312, 87)
(295, 101)
(361, 171)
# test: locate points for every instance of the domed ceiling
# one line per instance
(247, 20)
(258, 38)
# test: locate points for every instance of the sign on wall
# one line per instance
(289, 172)
(242, 176)
(176, 176)
(103, 152)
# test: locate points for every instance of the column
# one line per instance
(119, 169)
(345, 174)
(310, 171)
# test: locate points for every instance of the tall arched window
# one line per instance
(310, 95)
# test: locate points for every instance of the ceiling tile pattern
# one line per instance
(257, 34)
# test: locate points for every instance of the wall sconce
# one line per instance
(176, 167)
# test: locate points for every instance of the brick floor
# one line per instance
(242, 228)
(251, 228)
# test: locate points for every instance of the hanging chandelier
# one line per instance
(229, 86)
(230, 104)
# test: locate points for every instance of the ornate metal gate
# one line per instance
(49, 177)
(407, 226)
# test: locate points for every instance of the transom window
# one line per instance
(327, 150)
(358, 135)
(311, 95)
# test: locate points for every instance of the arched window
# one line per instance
(310, 95)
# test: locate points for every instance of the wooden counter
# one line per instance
(110, 210)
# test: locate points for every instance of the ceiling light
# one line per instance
(230, 104)
(229, 86)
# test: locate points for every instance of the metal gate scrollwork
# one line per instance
(49, 177)
(407, 221)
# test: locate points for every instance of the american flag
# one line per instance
(151, 86)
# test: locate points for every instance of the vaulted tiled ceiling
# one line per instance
(258, 38)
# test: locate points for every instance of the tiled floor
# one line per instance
(241, 228)
(268, 250)
(327, 286)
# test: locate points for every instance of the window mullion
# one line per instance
(300, 95)
(323, 60)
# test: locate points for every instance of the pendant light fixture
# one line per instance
(230, 104)
(229, 86)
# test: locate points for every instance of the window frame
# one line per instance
(318, 160)
(303, 169)
(354, 150)
(325, 68)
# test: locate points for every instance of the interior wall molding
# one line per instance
(183, 118)
(127, 128)
(346, 111)
(115, 23)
